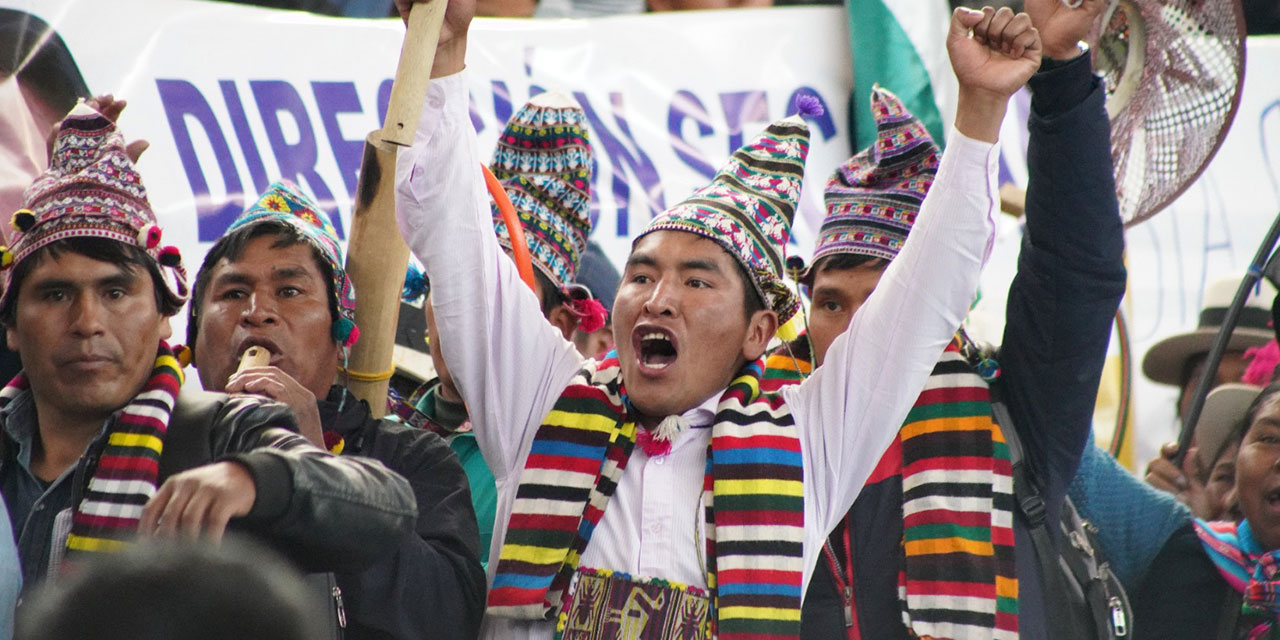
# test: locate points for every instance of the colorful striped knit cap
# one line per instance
(749, 206)
(90, 190)
(872, 200)
(543, 160)
(284, 202)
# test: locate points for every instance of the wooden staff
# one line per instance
(376, 254)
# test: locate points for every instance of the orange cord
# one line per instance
(519, 248)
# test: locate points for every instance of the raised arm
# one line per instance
(850, 408)
(1071, 273)
(507, 361)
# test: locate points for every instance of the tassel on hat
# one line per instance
(90, 190)
(590, 313)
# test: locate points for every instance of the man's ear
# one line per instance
(564, 320)
(166, 330)
(761, 328)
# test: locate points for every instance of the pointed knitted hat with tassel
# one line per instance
(749, 206)
(873, 199)
(90, 190)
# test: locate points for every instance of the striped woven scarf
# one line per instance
(128, 468)
(752, 491)
(958, 577)
(1251, 570)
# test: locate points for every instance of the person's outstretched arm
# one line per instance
(1071, 273)
(508, 362)
(852, 406)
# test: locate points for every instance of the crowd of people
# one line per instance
(718, 441)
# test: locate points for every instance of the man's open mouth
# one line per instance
(656, 348)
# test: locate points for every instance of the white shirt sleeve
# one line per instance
(848, 412)
(508, 362)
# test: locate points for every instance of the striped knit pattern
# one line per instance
(1250, 569)
(872, 200)
(128, 469)
(578, 455)
(757, 485)
(748, 208)
(1229, 546)
(957, 495)
(543, 160)
(789, 364)
(752, 489)
(958, 580)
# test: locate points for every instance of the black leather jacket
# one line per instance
(432, 586)
(324, 512)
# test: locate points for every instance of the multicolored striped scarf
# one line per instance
(958, 577)
(128, 469)
(1251, 571)
(752, 492)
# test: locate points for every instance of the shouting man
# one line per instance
(660, 477)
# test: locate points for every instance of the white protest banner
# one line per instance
(232, 97)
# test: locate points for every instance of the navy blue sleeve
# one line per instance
(1070, 279)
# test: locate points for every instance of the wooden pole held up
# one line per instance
(376, 254)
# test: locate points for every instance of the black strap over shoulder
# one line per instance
(1082, 598)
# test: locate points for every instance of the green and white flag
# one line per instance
(902, 46)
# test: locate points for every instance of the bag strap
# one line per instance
(1074, 578)
(1059, 625)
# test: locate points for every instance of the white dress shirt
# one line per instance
(511, 365)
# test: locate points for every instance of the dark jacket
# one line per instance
(432, 586)
(323, 512)
(1070, 280)
(1147, 535)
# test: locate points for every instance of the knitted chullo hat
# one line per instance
(284, 202)
(749, 206)
(90, 190)
(872, 200)
(543, 161)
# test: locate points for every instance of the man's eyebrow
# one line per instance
(641, 260)
(826, 290)
(233, 277)
(121, 279)
(289, 273)
(700, 264)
